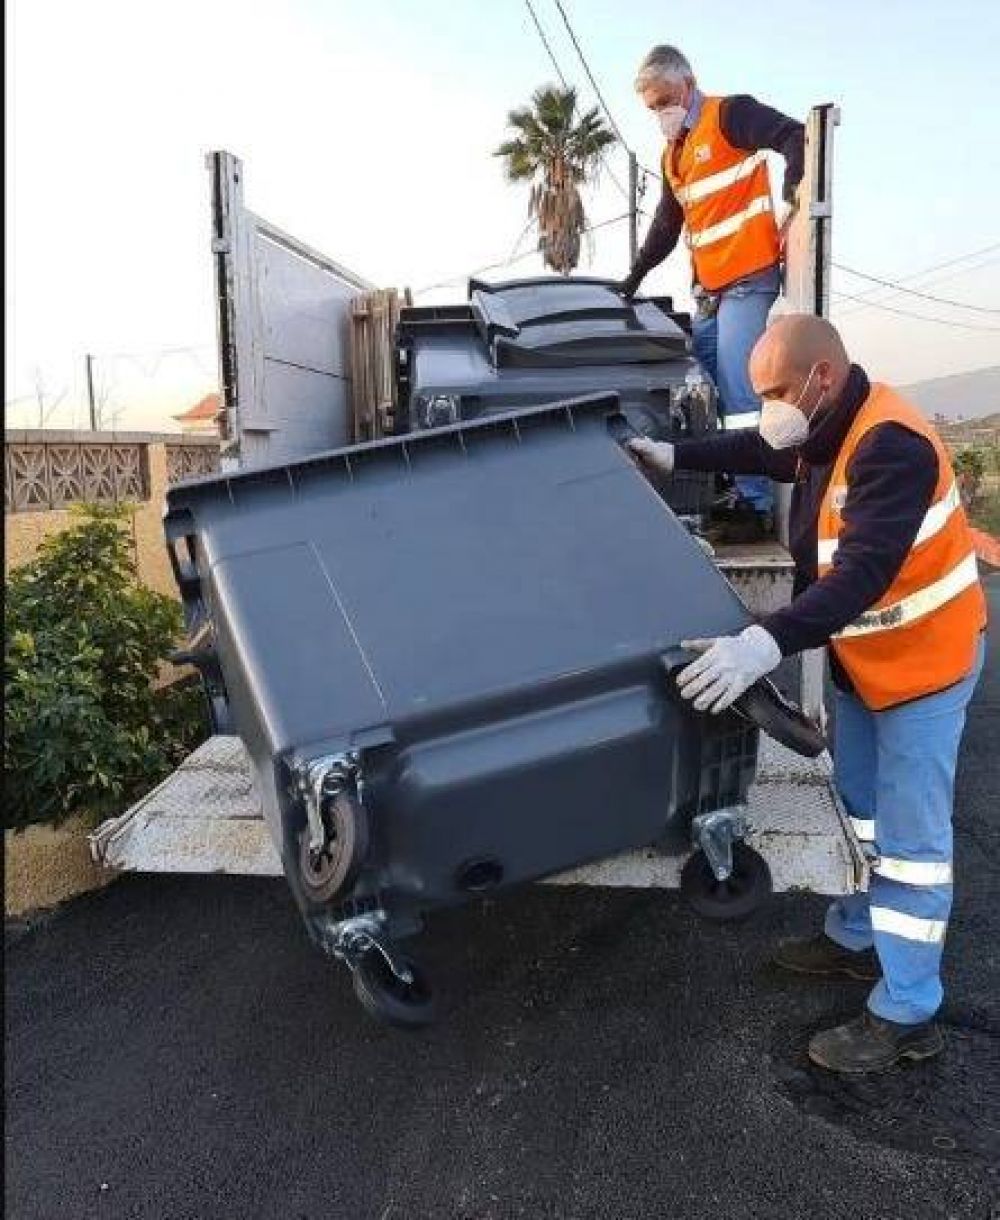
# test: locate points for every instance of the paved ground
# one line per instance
(176, 1049)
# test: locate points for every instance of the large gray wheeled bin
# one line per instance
(448, 657)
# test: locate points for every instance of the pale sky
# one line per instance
(366, 129)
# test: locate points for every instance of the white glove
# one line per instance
(657, 455)
(727, 667)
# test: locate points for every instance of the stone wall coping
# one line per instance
(55, 436)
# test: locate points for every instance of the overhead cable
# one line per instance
(906, 313)
(899, 287)
(508, 262)
(567, 86)
(597, 89)
(866, 298)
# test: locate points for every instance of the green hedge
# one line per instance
(84, 730)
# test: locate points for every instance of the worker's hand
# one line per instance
(728, 666)
(654, 455)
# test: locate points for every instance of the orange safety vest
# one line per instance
(921, 635)
(726, 196)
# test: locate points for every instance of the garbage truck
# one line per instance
(435, 667)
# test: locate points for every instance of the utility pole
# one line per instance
(633, 208)
(90, 392)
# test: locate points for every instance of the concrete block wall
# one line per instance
(31, 457)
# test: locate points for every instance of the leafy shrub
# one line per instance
(84, 728)
(969, 466)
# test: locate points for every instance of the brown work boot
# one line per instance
(872, 1044)
(820, 955)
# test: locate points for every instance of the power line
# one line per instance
(545, 44)
(590, 76)
(567, 86)
(521, 236)
(897, 287)
(149, 363)
(906, 313)
(866, 297)
(597, 89)
(156, 351)
(951, 262)
(968, 270)
(508, 262)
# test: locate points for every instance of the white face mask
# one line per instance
(783, 424)
(671, 121)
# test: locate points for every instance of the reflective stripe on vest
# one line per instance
(731, 225)
(911, 608)
(704, 187)
(935, 519)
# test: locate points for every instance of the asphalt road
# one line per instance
(177, 1049)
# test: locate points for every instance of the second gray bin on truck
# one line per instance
(526, 342)
(448, 656)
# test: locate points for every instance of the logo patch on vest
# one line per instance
(702, 153)
(838, 498)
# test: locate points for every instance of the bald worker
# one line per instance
(885, 575)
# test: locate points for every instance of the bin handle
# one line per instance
(184, 568)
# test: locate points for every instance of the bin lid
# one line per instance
(560, 321)
(369, 585)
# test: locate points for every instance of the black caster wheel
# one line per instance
(743, 891)
(328, 871)
(384, 995)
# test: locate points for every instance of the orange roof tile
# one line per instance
(206, 408)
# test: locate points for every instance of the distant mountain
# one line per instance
(961, 396)
(971, 431)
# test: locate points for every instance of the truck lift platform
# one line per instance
(207, 818)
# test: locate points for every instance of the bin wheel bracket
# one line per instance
(715, 833)
(390, 986)
(724, 879)
(333, 843)
(364, 942)
(319, 780)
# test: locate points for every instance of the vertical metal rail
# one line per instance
(633, 208)
(807, 290)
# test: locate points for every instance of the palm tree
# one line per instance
(555, 152)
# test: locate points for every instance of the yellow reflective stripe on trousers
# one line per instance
(731, 225)
(718, 182)
(908, 927)
(924, 601)
(935, 519)
(914, 872)
(864, 828)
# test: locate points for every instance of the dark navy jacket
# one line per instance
(891, 481)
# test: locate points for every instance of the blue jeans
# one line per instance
(895, 772)
(722, 343)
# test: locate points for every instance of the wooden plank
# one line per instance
(374, 316)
